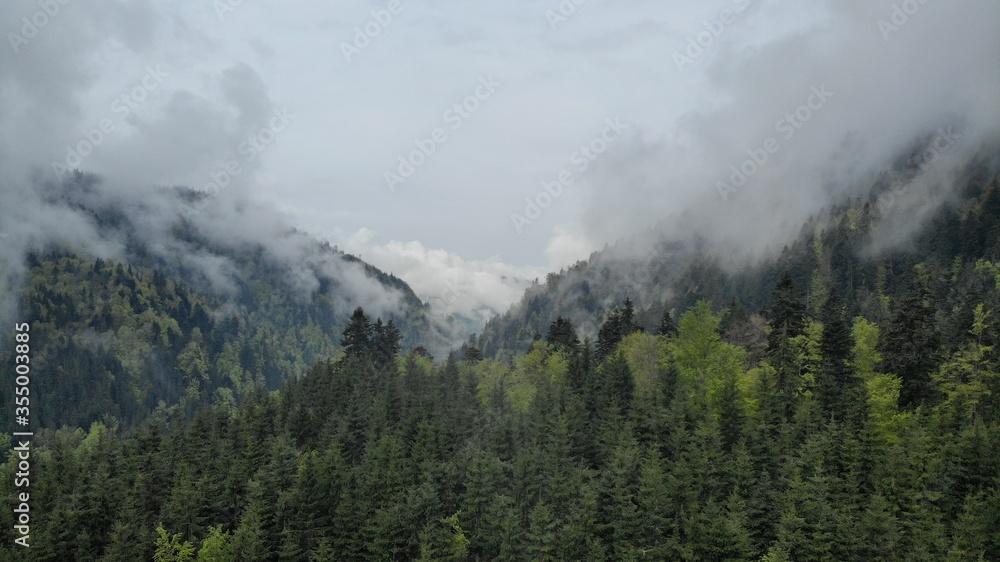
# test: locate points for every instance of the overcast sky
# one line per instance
(641, 108)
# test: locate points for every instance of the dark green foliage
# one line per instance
(407, 461)
(910, 344)
(562, 335)
(117, 340)
(386, 343)
(667, 326)
(836, 381)
(672, 446)
(786, 313)
(620, 323)
(472, 353)
(358, 335)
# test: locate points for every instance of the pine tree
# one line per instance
(786, 313)
(183, 509)
(966, 380)
(472, 354)
(837, 384)
(910, 345)
(667, 327)
(562, 335)
(130, 538)
(617, 385)
(386, 340)
(358, 335)
(324, 552)
(620, 323)
(543, 536)
(249, 540)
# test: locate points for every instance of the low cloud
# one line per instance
(474, 290)
(781, 151)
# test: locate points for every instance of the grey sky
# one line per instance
(201, 76)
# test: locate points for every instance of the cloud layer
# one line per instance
(306, 108)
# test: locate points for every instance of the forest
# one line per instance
(510, 281)
(849, 411)
(664, 444)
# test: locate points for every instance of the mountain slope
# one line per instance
(856, 244)
(185, 308)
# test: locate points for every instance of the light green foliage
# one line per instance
(808, 345)
(169, 548)
(818, 293)
(542, 366)
(647, 356)
(97, 436)
(966, 379)
(217, 547)
(193, 363)
(499, 380)
(882, 388)
(990, 268)
(703, 360)
(657, 448)
(444, 541)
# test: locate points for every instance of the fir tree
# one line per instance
(358, 335)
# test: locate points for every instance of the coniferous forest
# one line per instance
(851, 419)
(509, 281)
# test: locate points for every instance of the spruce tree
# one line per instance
(667, 327)
(837, 381)
(910, 345)
(358, 335)
(562, 335)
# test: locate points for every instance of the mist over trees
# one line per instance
(257, 263)
(844, 416)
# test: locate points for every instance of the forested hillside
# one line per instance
(838, 403)
(854, 246)
(669, 446)
(183, 315)
(112, 341)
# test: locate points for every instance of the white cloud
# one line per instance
(610, 59)
(567, 246)
(475, 290)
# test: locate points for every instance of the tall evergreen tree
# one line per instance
(910, 344)
(837, 382)
(667, 326)
(620, 323)
(562, 335)
(386, 343)
(358, 335)
(786, 312)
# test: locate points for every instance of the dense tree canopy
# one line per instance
(850, 414)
